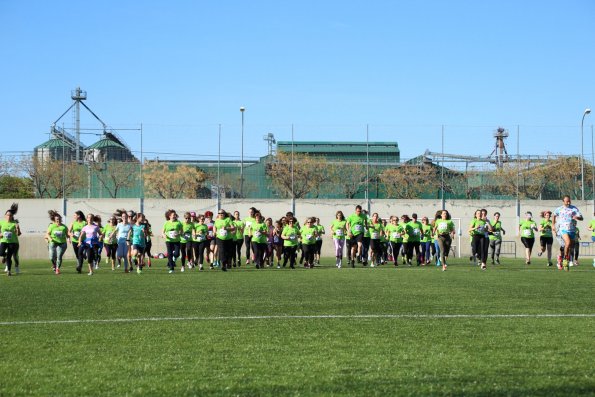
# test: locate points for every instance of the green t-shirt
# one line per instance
(426, 233)
(415, 232)
(200, 232)
(186, 236)
(109, 234)
(496, 234)
(338, 228)
(9, 232)
(527, 227)
(592, 226)
(259, 232)
(480, 224)
(172, 231)
(357, 223)
(239, 225)
(376, 230)
(444, 227)
(546, 226)
(394, 232)
(58, 233)
(248, 222)
(320, 230)
(77, 226)
(308, 235)
(222, 226)
(293, 233)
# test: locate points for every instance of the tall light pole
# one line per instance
(242, 109)
(586, 112)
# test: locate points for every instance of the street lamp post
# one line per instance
(242, 109)
(586, 112)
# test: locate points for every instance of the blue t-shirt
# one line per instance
(122, 231)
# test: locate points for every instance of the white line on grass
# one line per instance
(304, 317)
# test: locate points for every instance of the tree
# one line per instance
(182, 182)
(308, 174)
(116, 175)
(350, 178)
(50, 178)
(15, 187)
(409, 181)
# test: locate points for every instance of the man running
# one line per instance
(568, 215)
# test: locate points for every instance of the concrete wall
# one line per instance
(34, 220)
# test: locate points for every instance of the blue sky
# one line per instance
(330, 68)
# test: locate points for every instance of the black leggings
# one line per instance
(480, 247)
(410, 247)
(173, 252)
(308, 250)
(396, 248)
(86, 250)
(199, 251)
(238, 251)
(8, 251)
(289, 253)
(259, 250)
(110, 251)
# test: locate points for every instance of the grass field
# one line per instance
(510, 330)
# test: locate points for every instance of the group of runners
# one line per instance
(200, 240)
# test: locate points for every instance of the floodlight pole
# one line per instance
(242, 109)
(586, 112)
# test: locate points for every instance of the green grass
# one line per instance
(214, 348)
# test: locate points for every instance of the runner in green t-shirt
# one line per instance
(444, 230)
(496, 238)
(320, 232)
(201, 230)
(9, 238)
(56, 236)
(290, 236)
(394, 231)
(546, 239)
(248, 222)
(527, 229)
(186, 242)
(356, 224)
(376, 230)
(308, 237)
(238, 239)
(224, 231)
(338, 230)
(425, 241)
(74, 231)
(259, 233)
(171, 232)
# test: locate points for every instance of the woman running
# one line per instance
(89, 242)
(444, 230)
(258, 237)
(339, 230)
(224, 230)
(426, 241)
(238, 239)
(137, 235)
(200, 240)
(186, 247)
(110, 241)
(172, 229)
(546, 239)
(74, 231)
(376, 231)
(320, 232)
(290, 235)
(56, 236)
(477, 229)
(122, 230)
(527, 229)
(308, 234)
(496, 238)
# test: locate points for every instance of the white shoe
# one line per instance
(6, 269)
(371, 265)
(570, 264)
(90, 274)
(182, 269)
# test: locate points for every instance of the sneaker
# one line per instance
(6, 269)
(371, 265)
(17, 270)
(57, 270)
(483, 266)
(570, 263)
(171, 271)
(138, 270)
(126, 271)
(200, 267)
(278, 267)
(443, 268)
(540, 253)
(96, 266)
(497, 261)
(438, 262)
(90, 274)
(79, 270)
(182, 269)
(550, 264)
